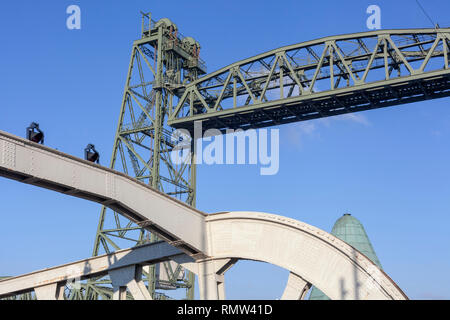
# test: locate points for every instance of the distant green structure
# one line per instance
(350, 230)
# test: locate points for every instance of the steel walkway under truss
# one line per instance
(320, 78)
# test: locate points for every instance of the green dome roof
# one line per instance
(350, 230)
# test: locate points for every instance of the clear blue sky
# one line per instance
(389, 168)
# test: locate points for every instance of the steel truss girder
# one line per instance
(320, 78)
(96, 266)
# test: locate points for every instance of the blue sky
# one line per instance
(389, 167)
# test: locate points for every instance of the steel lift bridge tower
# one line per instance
(162, 62)
(167, 87)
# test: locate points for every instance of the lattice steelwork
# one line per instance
(162, 62)
(320, 78)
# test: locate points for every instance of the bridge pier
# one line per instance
(129, 277)
(208, 281)
(54, 291)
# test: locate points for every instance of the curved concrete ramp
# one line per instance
(32, 163)
(316, 256)
(311, 255)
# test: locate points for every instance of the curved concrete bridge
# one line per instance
(208, 247)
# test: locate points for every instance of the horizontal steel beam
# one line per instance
(92, 267)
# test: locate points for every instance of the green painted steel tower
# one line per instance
(350, 230)
(162, 62)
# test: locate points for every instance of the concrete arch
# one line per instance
(314, 255)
